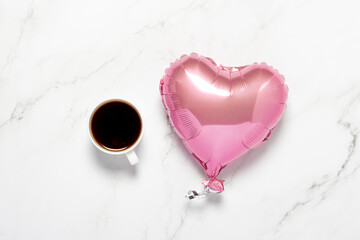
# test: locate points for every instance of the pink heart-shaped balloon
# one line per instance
(221, 112)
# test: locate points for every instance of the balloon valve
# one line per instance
(192, 194)
(212, 185)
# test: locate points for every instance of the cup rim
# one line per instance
(116, 152)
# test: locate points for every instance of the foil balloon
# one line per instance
(220, 113)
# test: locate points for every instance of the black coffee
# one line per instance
(115, 125)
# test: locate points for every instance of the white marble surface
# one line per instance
(58, 59)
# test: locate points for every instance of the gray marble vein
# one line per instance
(24, 24)
(161, 24)
(22, 107)
(320, 190)
(180, 226)
(304, 185)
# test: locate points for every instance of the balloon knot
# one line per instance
(214, 184)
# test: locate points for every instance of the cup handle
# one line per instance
(131, 156)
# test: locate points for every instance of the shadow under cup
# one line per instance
(115, 126)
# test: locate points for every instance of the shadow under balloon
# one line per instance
(215, 198)
(113, 164)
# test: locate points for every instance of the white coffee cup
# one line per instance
(96, 129)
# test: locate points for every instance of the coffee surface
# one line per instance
(115, 125)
